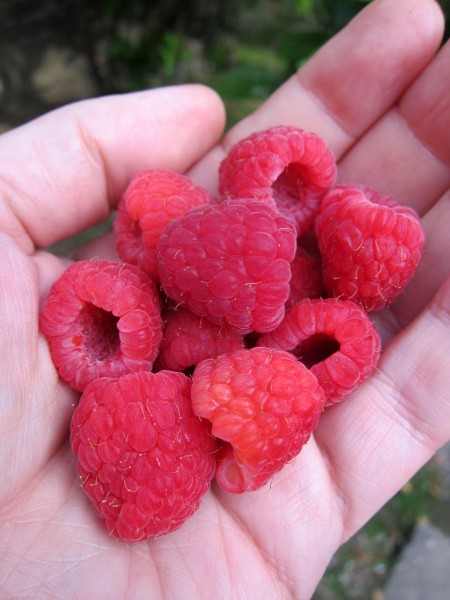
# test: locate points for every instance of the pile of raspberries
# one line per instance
(212, 346)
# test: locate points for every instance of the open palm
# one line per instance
(380, 98)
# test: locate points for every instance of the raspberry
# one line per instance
(286, 167)
(101, 318)
(144, 459)
(230, 263)
(189, 339)
(334, 338)
(306, 281)
(151, 200)
(263, 404)
(370, 245)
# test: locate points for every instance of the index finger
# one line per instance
(65, 171)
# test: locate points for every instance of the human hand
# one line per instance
(374, 96)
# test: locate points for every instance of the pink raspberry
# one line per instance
(101, 318)
(306, 281)
(151, 200)
(263, 404)
(370, 245)
(189, 339)
(286, 167)
(230, 263)
(144, 459)
(334, 338)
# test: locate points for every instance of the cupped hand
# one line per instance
(378, 95)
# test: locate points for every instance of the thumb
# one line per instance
(35, 407)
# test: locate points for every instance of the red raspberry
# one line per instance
(189, 339)
(230, 263)
(370, 245)
(151, 200)
(306, 281)
(287, 167)
(101, 318)
(334, 338)
(144, 459)
(264, 404)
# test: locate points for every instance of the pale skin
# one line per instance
(380, 97)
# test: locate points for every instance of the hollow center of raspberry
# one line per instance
(288, 187)
(316, 349)
(136, 231)
(100, 333)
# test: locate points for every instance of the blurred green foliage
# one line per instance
(243, 49)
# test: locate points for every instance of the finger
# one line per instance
(295, 521)
(34, 405)
(433, 269)
(377, 439)
(352, 80)
(406, 154)
(64, 171)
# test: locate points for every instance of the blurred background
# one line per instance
(57, 51)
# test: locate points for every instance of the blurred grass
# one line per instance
(245, 85)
